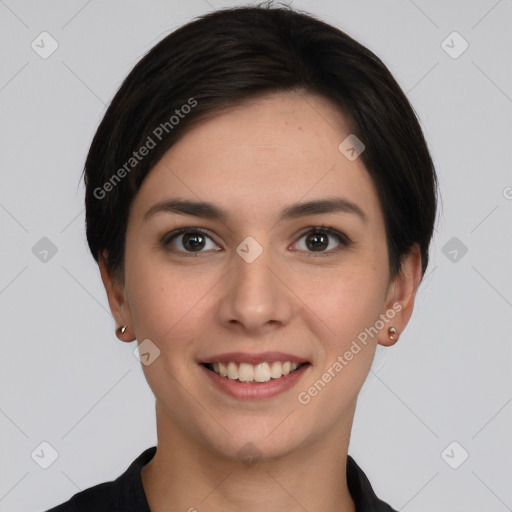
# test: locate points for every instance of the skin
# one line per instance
(253, 160)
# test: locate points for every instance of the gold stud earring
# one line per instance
(392, 332)
(122, 329)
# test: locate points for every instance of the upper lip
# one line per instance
(253, 358)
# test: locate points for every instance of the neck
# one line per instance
(184, 476)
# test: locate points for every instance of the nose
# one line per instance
(256, 298)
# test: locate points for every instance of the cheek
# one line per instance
(167, 310)
(166, 302)
(347, 302)
(349, 305)
(353, 312)
(151, 303)
(349, 308)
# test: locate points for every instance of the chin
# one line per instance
(254, 440)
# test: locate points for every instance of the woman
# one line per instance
(260, 200)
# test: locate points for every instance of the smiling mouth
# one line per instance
(254, 373)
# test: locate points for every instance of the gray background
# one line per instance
(67, 380)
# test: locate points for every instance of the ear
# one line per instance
(116, 300)
(401, 295)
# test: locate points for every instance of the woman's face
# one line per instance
(256, 285)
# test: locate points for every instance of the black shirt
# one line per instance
(126, 494)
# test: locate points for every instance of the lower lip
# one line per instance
(259, 390)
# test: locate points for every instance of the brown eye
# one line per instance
(189, 240)
(317, 241)
(321, 239)
(193, 241)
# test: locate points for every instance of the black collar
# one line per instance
(126, 493)
(359, 486)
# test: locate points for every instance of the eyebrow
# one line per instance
(294, 211)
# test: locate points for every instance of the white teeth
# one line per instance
(262, 372)
(245, 372)
(232, 370)
(222, 369)
(277, 370)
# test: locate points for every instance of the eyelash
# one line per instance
(343, 240)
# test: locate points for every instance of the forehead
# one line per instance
(257, 157)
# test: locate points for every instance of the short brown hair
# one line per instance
(227, 56)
